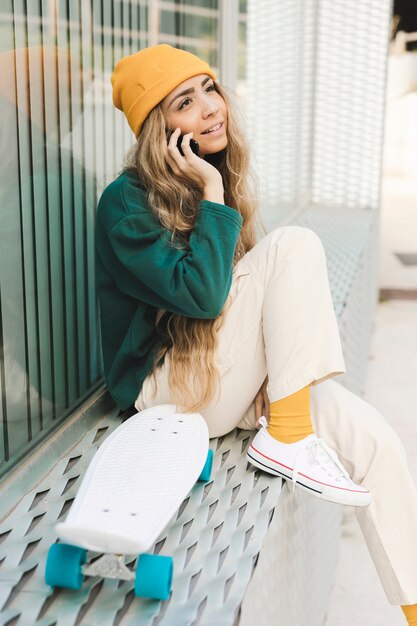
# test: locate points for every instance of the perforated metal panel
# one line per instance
(316, 74)
(214, 540)
(294, 575)
(350, 238)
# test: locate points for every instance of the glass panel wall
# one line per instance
(192, 25)
(62, 141)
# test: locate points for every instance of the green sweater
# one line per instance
(139, 271)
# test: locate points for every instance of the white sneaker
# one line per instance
(308, 463)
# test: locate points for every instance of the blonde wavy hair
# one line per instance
(191, 343)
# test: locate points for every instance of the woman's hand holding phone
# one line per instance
(193, 144)
(193, 166)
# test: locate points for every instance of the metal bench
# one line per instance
(237, 542)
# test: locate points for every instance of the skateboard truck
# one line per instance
(109, 566)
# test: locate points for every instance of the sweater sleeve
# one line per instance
(194, 281)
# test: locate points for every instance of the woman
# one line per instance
(195, 312)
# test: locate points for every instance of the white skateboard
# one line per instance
(133, 487)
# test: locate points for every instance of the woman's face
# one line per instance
(196, 106)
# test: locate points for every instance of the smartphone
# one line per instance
(193, 144)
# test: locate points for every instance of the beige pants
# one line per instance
(280, 321)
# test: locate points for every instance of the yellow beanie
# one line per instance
(141, 80)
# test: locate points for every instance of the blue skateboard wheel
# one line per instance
(63, 566)
(206, 471)
(154, 576)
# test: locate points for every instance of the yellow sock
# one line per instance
(289, 419)
(410, 611)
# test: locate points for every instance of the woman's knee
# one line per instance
(297, 239)
(291, 242)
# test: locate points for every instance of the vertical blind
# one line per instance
(62, 141)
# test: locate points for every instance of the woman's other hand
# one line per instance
(194, 167)
(262, 403)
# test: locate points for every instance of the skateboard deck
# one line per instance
(136, 482)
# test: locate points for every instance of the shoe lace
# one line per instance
(320, 453)
(324, 456)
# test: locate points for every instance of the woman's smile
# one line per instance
(216, 130)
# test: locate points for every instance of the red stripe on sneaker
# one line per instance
(305, 475)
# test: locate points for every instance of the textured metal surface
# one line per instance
(350, 240)
(294, 575)
(357, 317)
(316, 75)
(214, 540)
